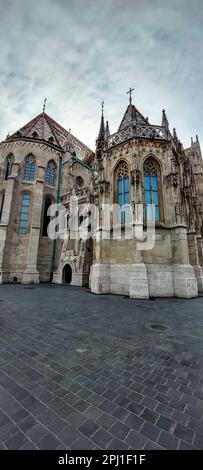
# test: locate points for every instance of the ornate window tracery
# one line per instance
(122, 192)
(24, 214)
(50, 173)
(29, 169)
(9, 165)
(152, 188)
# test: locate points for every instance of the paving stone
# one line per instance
(105, 420)
(7, 431)
(76, 418)
(43, 375)
(150, 430)
(119, 430)
(16, 441)
(192, 411)
(165, 423)
(135, 440)
(88, 427)
(81, 443)
(117, 444)
(93, 412)
(68, 435)
(149, 415)
(20, 415)
(27, 423)
(180, 417)
(185, 446)
(134, 421)
(198, 442)
(102, 438)
(168, 441)
(36, 433)
(120, 413)
(184, 433)
(136, 408)
(150, 445)
(49, 442)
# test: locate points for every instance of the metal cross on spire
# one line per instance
(44, 105)
(130, 93)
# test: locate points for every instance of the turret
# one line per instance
(101, 136)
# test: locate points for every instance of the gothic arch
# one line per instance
(9, 160)
(121, 178)
(29, 167)
(152, 176)
(50, 174)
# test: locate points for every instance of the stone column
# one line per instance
(5, 218)
(185, 283)
(200, 250)
(31, 274)
(138, 281)
(194, 260)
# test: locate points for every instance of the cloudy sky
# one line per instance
(77, 53)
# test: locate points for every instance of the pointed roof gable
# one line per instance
(132, 117)
(43, 127)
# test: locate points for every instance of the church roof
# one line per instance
(132, 117)
(44, 128)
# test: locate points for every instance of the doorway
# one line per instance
(67, 274)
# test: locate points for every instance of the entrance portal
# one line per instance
(67, 274)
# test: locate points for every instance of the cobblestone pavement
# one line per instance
(81, 371)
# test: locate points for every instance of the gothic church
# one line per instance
(141, 163)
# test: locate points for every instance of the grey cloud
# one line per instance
(79, 52)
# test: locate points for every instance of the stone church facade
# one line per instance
(140, 164)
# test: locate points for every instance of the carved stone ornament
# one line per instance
(172, 179)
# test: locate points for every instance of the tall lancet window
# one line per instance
(9, 165)
(152, 188)
(24, 214)
(29, 169)
(50, 173)
(122, 192)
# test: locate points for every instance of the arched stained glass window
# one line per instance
(24, 214)
(152, 188)
(50, 173)
(29, 169)
(122, 182)
(9, 164)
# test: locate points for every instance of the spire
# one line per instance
(175, 134)
(107, 131)
(44, 105)
(101, 135)
(164, 122)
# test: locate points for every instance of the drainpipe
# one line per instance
(53, 259)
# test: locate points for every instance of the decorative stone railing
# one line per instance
(148, 132)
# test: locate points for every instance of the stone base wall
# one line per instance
(143, 281)
(160, 279)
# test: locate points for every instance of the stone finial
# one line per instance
(164, 121)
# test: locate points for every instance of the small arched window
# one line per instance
(50, 173)
(122, 192)
(29, 169)
(79, 181)
(46, 218)
(24, 214)
(152, 188)
(9, 165)
(2, 205)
